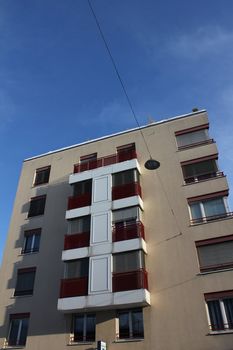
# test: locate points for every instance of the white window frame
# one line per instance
(203, 218)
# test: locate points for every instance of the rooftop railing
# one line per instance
(104, 161)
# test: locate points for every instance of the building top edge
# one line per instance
(167, 120)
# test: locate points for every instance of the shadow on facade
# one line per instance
(45, 319)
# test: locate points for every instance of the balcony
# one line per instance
(127, 231)
(77, 240)
(126, 190)
(202, 177)
(79, 201)
(211, 218)
(73, 287)
(130, 280)
(104, 161)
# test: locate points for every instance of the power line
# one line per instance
(131, 108)
(118, 75)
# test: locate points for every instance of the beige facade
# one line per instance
(188, 303)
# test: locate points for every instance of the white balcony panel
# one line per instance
(77, 253)
(127, 202)
(131, 298)
(130, 244)
(100, 249)
(74, 213)
(105, 170)
(101, 228)
(101, 189)
(100, 277)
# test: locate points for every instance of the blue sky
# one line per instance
(57, 85)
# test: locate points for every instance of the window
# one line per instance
(83, 328)
(128, 261)
(126, 152)
(195, 170)
(193, 136)
(216, 253)
(77, 268)
(37, 206)
(130, 324)
(42, 176)
(18, 329)
(31, 241)
(125, 177)
(25, 281)
(127, 215)
(79, 225)
(82, 187)
(208, 207)
(220, 310)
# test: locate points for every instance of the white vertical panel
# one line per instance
(100, 274)
(100, 228)
(101, 189)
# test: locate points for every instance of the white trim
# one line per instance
(131, 298)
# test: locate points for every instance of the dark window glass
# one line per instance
(128, 261)
(77, 268)
(192, 137)
(228, 304)
(125, 177)
(25, 282)
(79, 225)
(42, 176)
(37, 206)
(131, 324)
(84, 327)
(215, 314)
(124, 331)
(31, 241)
(18, 331)
(202, 168)
(88, 158)
(82, 187)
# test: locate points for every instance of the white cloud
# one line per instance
(204, 41)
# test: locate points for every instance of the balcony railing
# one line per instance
(79, 201)
(130, 280)
(206, 219)
(108, 160)
(77, 240)
(127, 190)
(72, 287)
(200, 143)
(201, 177)
(126, 231)
(216, 267)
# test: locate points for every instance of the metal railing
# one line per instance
(206, 219)
(204, 176)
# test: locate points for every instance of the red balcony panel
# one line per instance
(130, 280)
(73, 287)
(77, 240)
(79, 201)
(128, 231)
(108, 160)
(127, 190)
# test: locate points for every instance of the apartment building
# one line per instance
(102, 249)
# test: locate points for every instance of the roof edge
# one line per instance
(167, 120)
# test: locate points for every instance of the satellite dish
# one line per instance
(152, 164)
